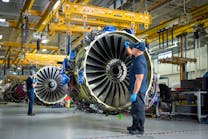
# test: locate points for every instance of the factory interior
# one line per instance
(66, 71)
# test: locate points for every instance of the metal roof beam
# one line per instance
(48, 14)
(31, 46)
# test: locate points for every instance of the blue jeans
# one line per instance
(138, 113)
(30, 94)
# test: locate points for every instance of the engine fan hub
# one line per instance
(116, 70)
(50, 84)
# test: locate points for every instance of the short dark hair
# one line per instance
(32, 72)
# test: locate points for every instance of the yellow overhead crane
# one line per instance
(76, 13)
(18, 45)
(42, 59)
(32, 46)
(38, 59)
(72, 17)
(25, 11)
(103, 16)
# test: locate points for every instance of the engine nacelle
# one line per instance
(102, 71)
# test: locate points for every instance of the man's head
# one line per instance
(32, 72)
(138, 48)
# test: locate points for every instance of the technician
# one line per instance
(31, 83)
(138, 85)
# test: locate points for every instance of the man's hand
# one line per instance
(133, 97)
(126, 44)
(35, 80)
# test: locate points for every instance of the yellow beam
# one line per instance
(1, 62)
(27, 6)
(31, 46)
(181, 29)
(35, 13)
(41, 59)
(63, 28)
(82, 1)
(34, 51)
(48, 14)
(15, 77)
(177, 60)
(98, 22)
(16, 56)
(13, 24)
(77, 42)
(6, 54)
(105, 13)
(157, 4)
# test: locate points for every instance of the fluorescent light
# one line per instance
(2, 20)
(14, 73)
(1, 36)
(36, 35)
(44, 41)
(44, 50)
(4, 24)
(6, 1)
(56, 5)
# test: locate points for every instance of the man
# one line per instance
(31, 83)
(138, 85)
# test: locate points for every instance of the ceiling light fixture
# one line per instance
(44, 50)
(1, 36)
(6, 1)
(2, 20)
(56, 5)
(44, 41)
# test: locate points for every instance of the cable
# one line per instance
(184, 7)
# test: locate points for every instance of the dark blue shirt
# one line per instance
(29, 83)
(138, 66)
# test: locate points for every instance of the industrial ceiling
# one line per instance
(160, 10)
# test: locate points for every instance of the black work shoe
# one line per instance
(31, 114)
(136, 132)
(129, 128)
(141, 132)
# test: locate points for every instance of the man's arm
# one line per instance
(127, 48)
(129, 51)
(34, 83)
(138, 81)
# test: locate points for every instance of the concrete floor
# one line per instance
(62, 123)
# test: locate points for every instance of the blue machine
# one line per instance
(80, 77)
(64, 77)
(129, 31)
(109, 29)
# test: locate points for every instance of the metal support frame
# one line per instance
(48, 14)
(199, 114)
(31, 46)
(177, 60)
(103, 14)
(198, 16)
(182, 65)
(26, 8)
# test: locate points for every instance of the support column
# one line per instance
(182, 66)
